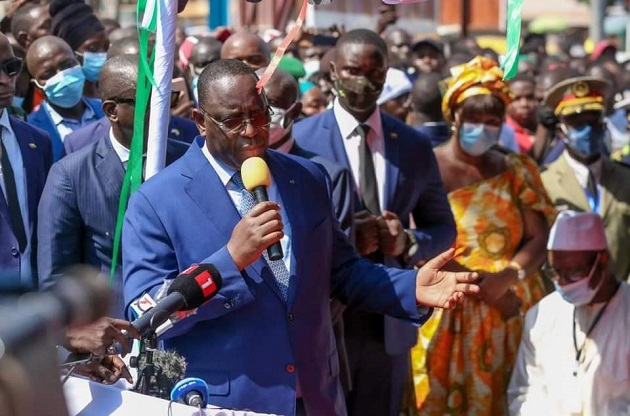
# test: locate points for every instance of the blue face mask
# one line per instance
(92, 64)
(17, 101)
(195, 82)
(477, 138)
(586, 141)
(65, 88)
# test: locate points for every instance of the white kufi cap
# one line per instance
(577, 231)
(396, 84)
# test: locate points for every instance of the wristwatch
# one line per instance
(412, 244)
(520, 272)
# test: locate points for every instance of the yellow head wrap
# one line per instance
(480, 76)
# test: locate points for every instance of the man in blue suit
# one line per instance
(25, 158)
(265, 341)
(395, 176)
(57, 73)
(79, 205)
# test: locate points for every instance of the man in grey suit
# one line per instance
(79, 204)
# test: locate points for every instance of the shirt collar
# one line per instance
(348, 124)
(224, 171)
(57, 118)
(582, 170)
(517, 127)
(4, 119)
(121, 151)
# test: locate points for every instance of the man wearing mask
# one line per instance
(390, 186)
(583, 179)
(573, 356)
(80, 200)
(246, 47)
(206, 51)
(25, 158)
(75, 22)
(57, 73)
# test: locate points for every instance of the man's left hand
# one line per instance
(107, 370)
(392, 236)
(440, 289)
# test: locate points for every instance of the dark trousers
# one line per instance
(299, 407)
(378, 379)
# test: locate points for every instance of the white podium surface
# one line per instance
(86, 398)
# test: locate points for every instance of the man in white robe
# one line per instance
(574, 356)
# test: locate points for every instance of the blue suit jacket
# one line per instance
(180, 129)
(41, 119)
(37, 158)
(412, 186)
(246, 342)
(78, 212)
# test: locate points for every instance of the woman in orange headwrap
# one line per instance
(463, 361)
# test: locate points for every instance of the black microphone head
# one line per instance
(197, 284)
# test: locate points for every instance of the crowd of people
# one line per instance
(407, 175)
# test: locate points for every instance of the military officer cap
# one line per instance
(577, 95)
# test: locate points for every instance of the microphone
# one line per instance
(78, 298)
(257, 178)
(192, 392)
(189, 290)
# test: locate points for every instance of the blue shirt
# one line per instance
(66, 126)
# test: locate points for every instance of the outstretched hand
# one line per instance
(441, 289)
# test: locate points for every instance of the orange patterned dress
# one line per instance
(464, 357)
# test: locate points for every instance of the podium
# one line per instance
(87, 398)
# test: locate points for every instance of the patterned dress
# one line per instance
(464, 357)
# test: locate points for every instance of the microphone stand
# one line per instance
(146, 376)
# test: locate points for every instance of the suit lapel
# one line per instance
(109, 165)
(568, 186)
(392, 161)
(288, 184)
(211, 196)
(31, 162)
(336, 150)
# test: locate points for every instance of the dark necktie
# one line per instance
(12, 198)
(278, 268)
(591, 186)
(367, 175)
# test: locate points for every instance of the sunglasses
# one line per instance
(132, 101)
(12, 67)
(238, 124)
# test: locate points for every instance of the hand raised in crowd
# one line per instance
(509, 305)
(367, 232)
(392, 237)
(106, 370)
(495, 285)
(183, 109)
(259, 229)
(98, 336)
(442, 289)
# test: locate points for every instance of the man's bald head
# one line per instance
(119, 75)
(46, 48)
(282, 89)
(248, 48)
(129, 45)
(123, 32)
(207, 50)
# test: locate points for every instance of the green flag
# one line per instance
(510, 63)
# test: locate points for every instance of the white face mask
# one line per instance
(579, 293)
(277, 131)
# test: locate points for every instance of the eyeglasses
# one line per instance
(238, 124)
(570, 275)
(132, 101)
(12, 67)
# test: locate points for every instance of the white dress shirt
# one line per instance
(121, 151)
(225, 175)
(376, 142)
(17, 164)
(581, 174)
(543, 380)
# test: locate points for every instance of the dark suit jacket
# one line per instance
(180, 129)
(247, 341)
(79, 208)
(41, 119)
(37, 158)
(412, 186)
